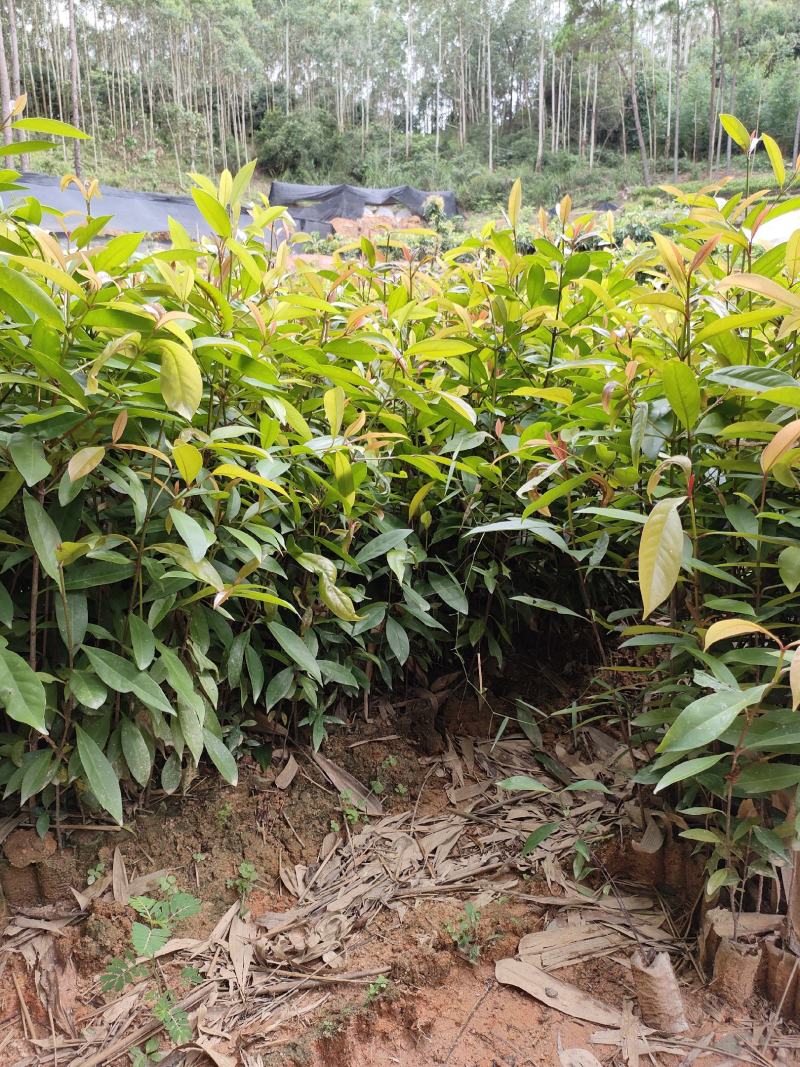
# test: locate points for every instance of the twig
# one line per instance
(27, 1022)
(491, 986)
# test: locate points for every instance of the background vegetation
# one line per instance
(588, 97)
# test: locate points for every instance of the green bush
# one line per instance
(236, 490)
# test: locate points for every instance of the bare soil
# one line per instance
(435, 1008)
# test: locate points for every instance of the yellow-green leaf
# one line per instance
(728, 628)
(188, 460)
(84, 461)
(775, 158)
(660, 553)
(736, 130)
(181, 383)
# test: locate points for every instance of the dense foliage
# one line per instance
(455, 94)
(238, 488)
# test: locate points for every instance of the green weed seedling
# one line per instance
(465, 935)
(376, 989)
(246, 881)
(148, 936)
(94, 874)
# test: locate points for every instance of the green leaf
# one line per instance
(397, 639)
(192, 533)
(689, 769)
(768, 777)
(535, 839)
(52, 126)
(147, 940)
(775, 157)
(21, 692)
(38, 773)
(706, 719)
(525, 783)
(221, 757)
(100, 775)
(789, 567)
(660, 553)
(143, 642)
(10, 484)
(736, 130)
(450, 592)
(381, 544)
(29, 459)
(44, 536)
(123, 677)
(683, 392)
(213, 212)
(31, 296)
(339, 602)
(296, 649)
(134, 749)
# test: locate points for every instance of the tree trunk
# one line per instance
(593, 133)
(712, 96)
(540, 141)
(74, 86)
(5, 90)
(489, 101)
(634, 94)
(676, 148)
(796, 144)
(438, 86)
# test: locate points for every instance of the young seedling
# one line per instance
(376, 989)
(465, 934)
(94, 874)
(246, 881)
(136, 964)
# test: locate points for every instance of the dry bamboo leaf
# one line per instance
(240, 948)
(346, 783)
(220, 1059)
(57, 986)
(119, 879)
(576, 1057)
(556, 994)
(287, 775)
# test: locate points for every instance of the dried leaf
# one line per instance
(287, 775)
(556, 994)
(346, 783)
(119, 879)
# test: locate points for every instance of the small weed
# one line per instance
(349, 809)
(376, 989)
(377, 786)
(390, 761)
(329, 1028)
(143, 1057)
(94, 874)
(246, 881)
(147, 937)
(464, 934)
(224, 815)
(401, 789)
(335, 826)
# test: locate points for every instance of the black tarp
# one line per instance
(131, 211)
(313, 206)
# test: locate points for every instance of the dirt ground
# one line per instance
(424, 1001)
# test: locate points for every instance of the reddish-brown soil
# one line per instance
(437, 1008)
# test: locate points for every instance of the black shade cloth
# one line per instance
(313, 205)
(131, 211)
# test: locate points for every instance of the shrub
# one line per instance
(236, 490)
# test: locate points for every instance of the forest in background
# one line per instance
(460, 93)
